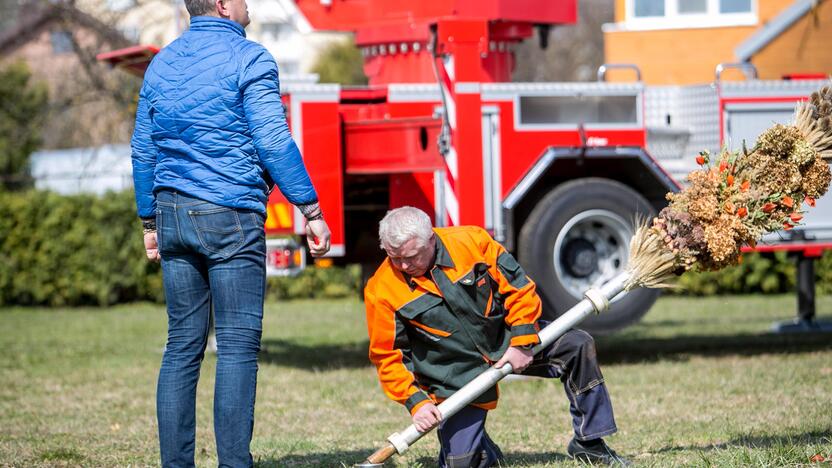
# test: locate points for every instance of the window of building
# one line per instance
(61, 42)
(735, 6)
(686, 7)
(668, 14)
(649, 8)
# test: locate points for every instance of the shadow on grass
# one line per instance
(348, 458)
(751, 441)
(514, 459)
(611, 350)
(539, 458)
(315, 356)
(335, 458)
(621, 350)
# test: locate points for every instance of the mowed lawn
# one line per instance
(700, 382)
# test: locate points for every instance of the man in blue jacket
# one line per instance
(210, 138)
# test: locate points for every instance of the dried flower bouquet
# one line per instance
(737, 197)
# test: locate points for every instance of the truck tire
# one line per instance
(577, 237)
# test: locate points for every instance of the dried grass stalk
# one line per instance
(651, 265)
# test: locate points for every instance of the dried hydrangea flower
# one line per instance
(778, 140)
(701, 195)
(720, 236)
(802, 153)
(772, 174)
(816, 179)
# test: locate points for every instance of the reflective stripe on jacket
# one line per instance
(431, 335)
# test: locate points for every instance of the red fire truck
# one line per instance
(557, 172)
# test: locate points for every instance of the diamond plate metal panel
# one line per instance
(681, 122)
(769, 88)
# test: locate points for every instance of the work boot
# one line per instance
(595, 451)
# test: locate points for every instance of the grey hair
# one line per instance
(402, 224)
(200, 7)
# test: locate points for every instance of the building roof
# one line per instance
(36, 15)
(774, 28)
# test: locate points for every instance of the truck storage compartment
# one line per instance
(390, 146)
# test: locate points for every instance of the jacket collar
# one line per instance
(211, 23)
(443, 257)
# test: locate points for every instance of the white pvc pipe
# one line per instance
(468, 393)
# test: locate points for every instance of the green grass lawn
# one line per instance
(700, 382)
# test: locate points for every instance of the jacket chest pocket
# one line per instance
(428, 319)
(482, 289)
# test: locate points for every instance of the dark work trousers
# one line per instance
(572, 359)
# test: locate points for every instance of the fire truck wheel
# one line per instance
(577, 237)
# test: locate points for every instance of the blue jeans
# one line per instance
(212, 256)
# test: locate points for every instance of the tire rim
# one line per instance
(591, 249)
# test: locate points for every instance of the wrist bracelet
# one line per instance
(149, 224)
(311, 211)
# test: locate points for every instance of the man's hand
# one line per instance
(317, 236)
(427, 417)
(151, 247)
(517, 357)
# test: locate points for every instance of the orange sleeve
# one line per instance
(397, 382)
(523, 305)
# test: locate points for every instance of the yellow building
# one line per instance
(682, 41)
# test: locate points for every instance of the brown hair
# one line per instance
(200, 7)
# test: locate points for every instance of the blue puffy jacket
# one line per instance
(210, 122)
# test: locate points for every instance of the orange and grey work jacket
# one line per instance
(431, 335)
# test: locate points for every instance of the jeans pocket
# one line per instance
(218, 229)
(167, 236)
(159, 229)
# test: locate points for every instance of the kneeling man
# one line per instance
(448, 303)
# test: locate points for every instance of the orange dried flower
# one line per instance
(729, 207)
(745, 186)
(730, 180)
(700, 160)
(788, 201)
(787, 226)
(768, 207)
(723, 165)
(742, 212)
(810, 201)
(796, 217)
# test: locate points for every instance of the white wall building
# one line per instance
(285, 32)
(277, 24)
(83, 170)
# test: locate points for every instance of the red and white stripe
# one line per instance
(445, 65)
